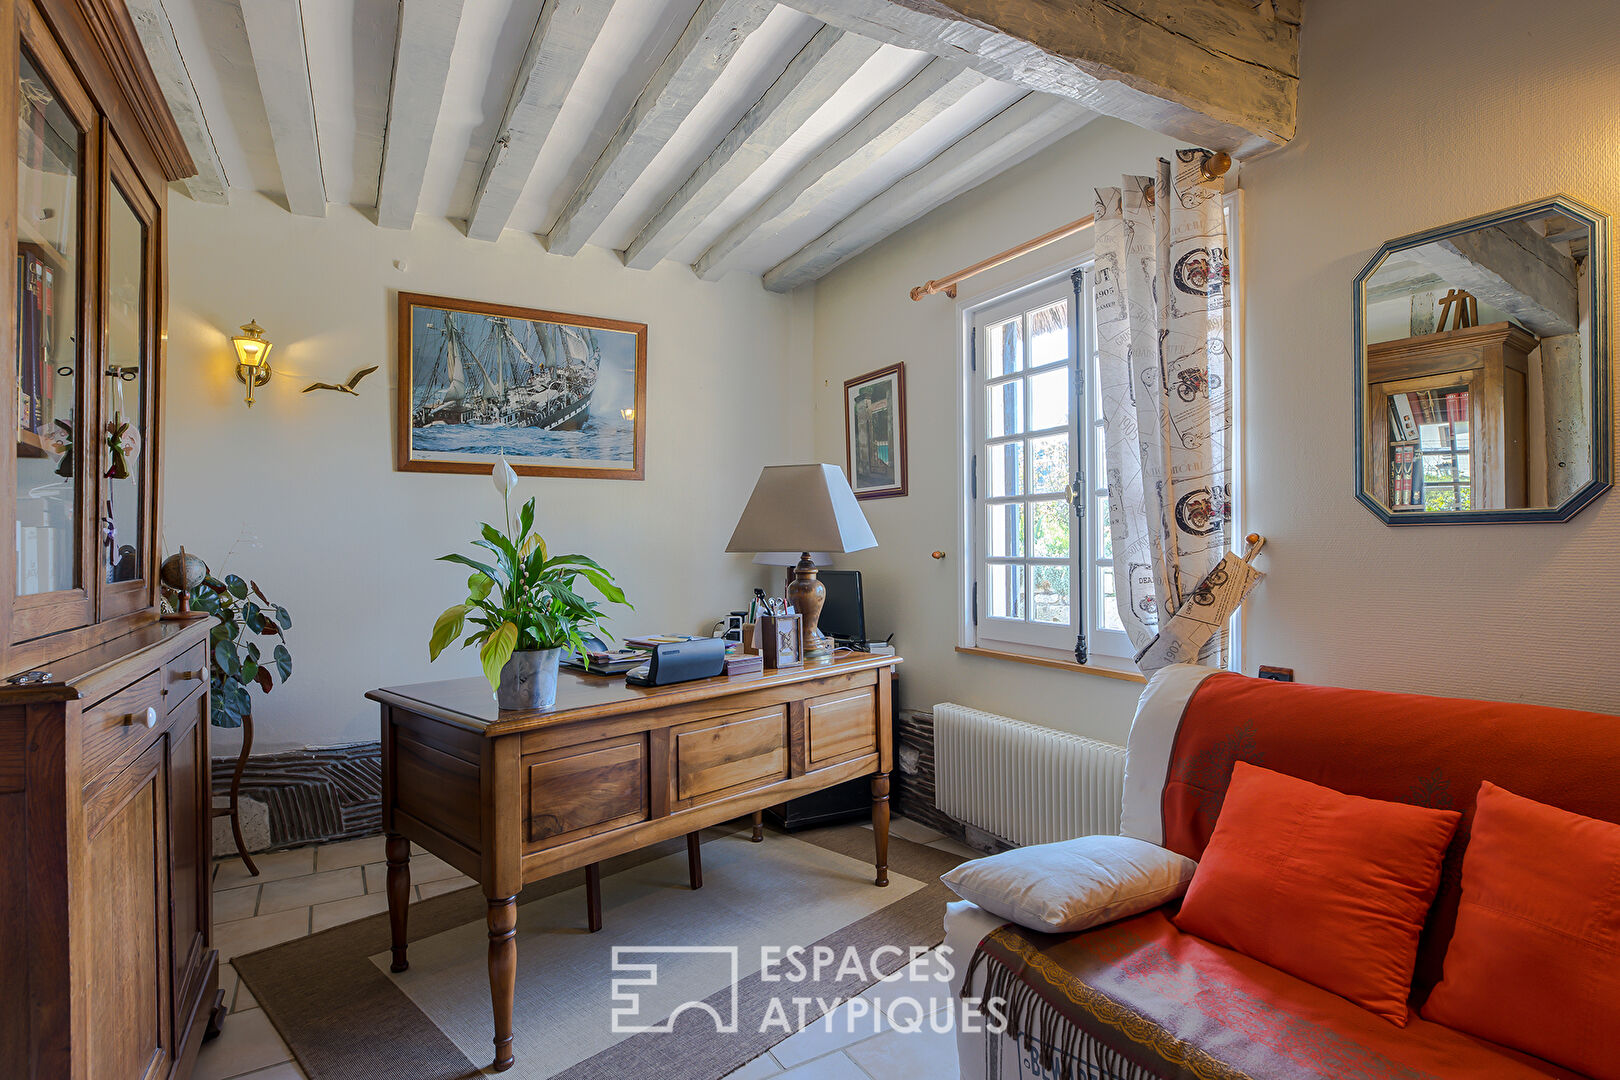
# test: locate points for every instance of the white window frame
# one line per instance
(1112, 645)
(981, 629)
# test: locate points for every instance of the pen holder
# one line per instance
(778, 638)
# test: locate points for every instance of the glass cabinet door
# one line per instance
(52, 149)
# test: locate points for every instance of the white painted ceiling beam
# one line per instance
(562, 39)
(275, 30)
(930, 92)
(163, 52)
(1219, 75)
(824, 65)
(709, 42)
(1028, 125)
(1512, 268)
(422, 46)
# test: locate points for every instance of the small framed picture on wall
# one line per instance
(875, 432)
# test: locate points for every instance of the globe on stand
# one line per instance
(183, 573)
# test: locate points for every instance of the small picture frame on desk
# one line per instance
(779, 639)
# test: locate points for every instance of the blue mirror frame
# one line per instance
(1602, 405)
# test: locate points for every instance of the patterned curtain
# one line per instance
(1162, 321)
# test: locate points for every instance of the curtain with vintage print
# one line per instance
(1164, 369)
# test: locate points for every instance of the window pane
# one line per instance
(1049, 463)
(48, 156)
(123, 551)
(1108, 609)
(1105, 534)
(1005, 469)
(1004, 537)
(1004, 409)
(1005, 349)
(1052, 594)
(1050, 520)
(1049, 334)
(1006, 589)
(1049, 399)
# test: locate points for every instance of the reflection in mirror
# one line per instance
(1484, 359)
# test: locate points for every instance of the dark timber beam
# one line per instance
(1222, 74)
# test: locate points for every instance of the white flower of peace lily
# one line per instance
(503, 476)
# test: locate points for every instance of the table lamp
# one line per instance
(803, 508)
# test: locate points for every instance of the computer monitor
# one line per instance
(843, 617)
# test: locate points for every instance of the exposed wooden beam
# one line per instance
(163, 52)
(275, 30)
(562, 38)
(930, 92)
(1223, 74)
(824, 65)
(427, 34)
(1514, 269)
(1029, 124)
(710, 40)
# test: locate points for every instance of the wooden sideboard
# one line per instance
(510, 798)
(105, 906)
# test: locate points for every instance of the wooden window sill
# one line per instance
(1109, 667)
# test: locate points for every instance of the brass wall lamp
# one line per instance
(252, 358)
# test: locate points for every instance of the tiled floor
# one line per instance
(308, 889)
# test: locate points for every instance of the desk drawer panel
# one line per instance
(841, 726)
(578, 791)
(116, 729)
(724, 754)
(436, 788)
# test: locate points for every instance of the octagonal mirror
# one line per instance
(1482, 369)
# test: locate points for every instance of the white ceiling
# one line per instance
(350, 48)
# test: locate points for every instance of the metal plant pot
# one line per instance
(529, 680)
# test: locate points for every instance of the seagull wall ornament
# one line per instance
(344, 388)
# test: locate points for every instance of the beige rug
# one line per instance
(345, 1017)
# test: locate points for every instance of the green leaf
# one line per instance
(250, 671)
(479, 586)
(497, 651)
(446, 630)
(525, 520)
(282, 617)
(225, 657)
(238, 588)
(473, 564)
(283, 663)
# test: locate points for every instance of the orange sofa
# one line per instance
(1140, 999)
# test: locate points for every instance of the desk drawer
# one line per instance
(722, 755)
(116, 728)
(579, 791)
(840, 726)
(185, 675)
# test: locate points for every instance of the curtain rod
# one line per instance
(1215, 166)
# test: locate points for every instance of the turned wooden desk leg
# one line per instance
(399, 895)
(503, 974)
(880, 824)
(759, 826)
(593, 897)
(694, 860)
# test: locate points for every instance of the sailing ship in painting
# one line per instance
(498, 382)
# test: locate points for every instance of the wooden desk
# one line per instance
(513, 797)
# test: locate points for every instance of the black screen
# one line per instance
(842, 616)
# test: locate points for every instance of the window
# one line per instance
(1036, 507)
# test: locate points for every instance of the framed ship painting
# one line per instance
(559, 395)
(875, 432)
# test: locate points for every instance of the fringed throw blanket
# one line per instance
(1139, 1000)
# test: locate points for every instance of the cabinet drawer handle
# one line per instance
(187, 676)
(149, 718)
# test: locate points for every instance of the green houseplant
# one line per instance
(523, 602)
(236, 661)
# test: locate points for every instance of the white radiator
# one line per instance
(1026, 784)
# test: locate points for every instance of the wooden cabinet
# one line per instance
(105, 905)
(104, 793)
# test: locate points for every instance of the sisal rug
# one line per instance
(693, 1013)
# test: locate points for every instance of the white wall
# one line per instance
(348, 543)
(1395, 135)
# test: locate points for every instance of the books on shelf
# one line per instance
(1406, 482)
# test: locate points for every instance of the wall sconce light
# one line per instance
(252, 358)
(628, 414)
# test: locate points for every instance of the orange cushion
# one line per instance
(1331, 888)
(1534, 963)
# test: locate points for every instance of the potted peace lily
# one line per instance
(524, 604)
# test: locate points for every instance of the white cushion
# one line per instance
(1061, 888)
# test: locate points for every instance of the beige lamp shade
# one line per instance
(802, 508)
(822, 559)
